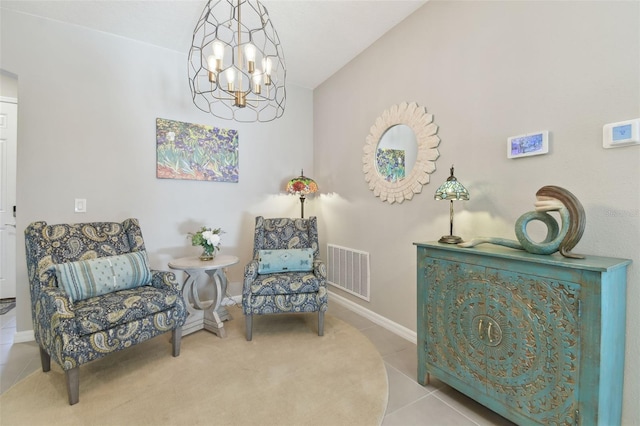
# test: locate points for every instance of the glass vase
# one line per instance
(208, 253)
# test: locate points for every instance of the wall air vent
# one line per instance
(348, 270)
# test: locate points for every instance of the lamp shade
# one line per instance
(452, 190)
(302, 185)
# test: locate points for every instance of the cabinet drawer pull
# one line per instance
(480, 329)
(489, 333)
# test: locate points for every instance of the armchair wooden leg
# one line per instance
(73, 385)
(321, 323)
(176, 337)
(45, 360)
(248, 321)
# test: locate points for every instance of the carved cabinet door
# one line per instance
(512, 336)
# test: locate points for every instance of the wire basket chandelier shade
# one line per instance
(236, 62)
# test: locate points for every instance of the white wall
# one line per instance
(88, 108)
(8, 85)
(488, 70)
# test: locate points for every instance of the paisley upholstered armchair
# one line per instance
(285, 274)
(92, 293)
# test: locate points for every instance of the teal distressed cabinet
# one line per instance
(538, 339)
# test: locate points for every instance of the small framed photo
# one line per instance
(527, 145)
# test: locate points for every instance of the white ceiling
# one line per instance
(318, 36)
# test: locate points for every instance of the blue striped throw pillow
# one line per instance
(94, 277)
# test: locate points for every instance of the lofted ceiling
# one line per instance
(318, 36)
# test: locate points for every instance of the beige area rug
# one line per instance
(286, 376)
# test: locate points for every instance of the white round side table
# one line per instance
(210, 316)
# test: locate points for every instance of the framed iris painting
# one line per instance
(195, 152)
(390, 164)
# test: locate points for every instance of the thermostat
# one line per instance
(622, 133)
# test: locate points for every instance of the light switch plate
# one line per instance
(81, 205)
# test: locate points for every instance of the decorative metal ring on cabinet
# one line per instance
(394, 173)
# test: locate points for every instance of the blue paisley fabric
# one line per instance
(287, 291)
(74, 333)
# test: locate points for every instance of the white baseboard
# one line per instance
(384, 322)
(235, 299)
(23, 336)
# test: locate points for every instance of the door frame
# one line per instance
(13, 293)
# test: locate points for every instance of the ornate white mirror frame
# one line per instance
(425, 130)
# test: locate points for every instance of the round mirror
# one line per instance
(396, 153)
(400, 152)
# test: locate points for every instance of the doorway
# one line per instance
(8, 161)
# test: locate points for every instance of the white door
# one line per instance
(8, 153)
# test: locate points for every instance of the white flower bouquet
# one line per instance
(207, 238)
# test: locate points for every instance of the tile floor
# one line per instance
(409, 403)
(16, 361)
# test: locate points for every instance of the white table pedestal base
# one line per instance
(208, 315)
(206, 319)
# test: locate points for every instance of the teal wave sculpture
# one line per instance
(559, 238)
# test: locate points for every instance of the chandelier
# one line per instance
(236, 63)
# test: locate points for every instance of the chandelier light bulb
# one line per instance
(266, 65)
(250, 53)
(218, 54)
(218, 49)
(231, 76)
(257, 80)
(211, 66)
(211, 63)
